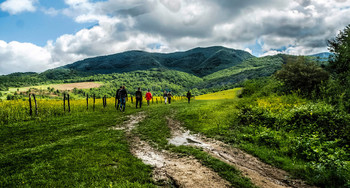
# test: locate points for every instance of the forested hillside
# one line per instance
(249, 69)
(198, 61)
(201, 70)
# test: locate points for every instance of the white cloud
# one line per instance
(18, 6)
(173, 5)
(294, 27)
(23, 57)
(248, 50)
(50, 11)
(271, 52)
(100, 40)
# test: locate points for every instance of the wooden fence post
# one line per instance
(64, 102)
(36, 105)
(93, 106)
(68, 103)
(132, 101)
(87, 101)
(104, 101)
(115, 102)
(30, 105)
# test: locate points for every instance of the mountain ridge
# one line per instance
(213, 68)
(198, 61)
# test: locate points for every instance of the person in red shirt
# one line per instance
(148, 97)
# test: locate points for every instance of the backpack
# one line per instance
(138, 94)
(118, 93)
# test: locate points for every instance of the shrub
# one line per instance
(315, 132)
(261, 87)
(340, 47)
(302, 75)
(321, 117)
(302, 118)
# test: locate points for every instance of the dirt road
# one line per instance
(172, 170)
(261, 174)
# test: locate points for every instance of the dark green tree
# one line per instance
(339, 63)
(299, 74)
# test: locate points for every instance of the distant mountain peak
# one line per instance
(200, 61)
(322, 55)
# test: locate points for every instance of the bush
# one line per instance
(305, 118)
(316, 133)
(340, 47)
(327, 159)
(321, 117)
(3, 88)
(261, 87)
(302, 75)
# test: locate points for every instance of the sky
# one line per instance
(36, 35)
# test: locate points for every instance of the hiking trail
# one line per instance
(261, 174)
(170, 169)
(174, 170)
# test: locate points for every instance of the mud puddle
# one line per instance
(261, 174)
(169, 168)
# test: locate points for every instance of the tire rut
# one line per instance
(169, 169)
(261, 174)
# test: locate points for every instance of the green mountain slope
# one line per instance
(201, 69)
(169, 75)
(248, 69)
(156, 80)
(198, 61)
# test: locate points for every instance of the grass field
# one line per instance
(226, 94)
(61, 87)
(67, 86)
(310, 156)
(78, 149)
(75, 150)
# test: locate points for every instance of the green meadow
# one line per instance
(79, 149)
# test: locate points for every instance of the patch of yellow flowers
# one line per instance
(18, 110)
(227, 94)
(278, 104)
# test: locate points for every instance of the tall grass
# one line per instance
(12, 111)
(74, 150)
(307, 138)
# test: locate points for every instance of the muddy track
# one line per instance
(261, 174)
(169, 169)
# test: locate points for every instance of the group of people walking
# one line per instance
(138, 96)
(121, 95)
(167, 97)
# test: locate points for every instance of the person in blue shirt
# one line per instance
(123, 94)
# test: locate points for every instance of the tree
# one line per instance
(339, 63)
(298, 74)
